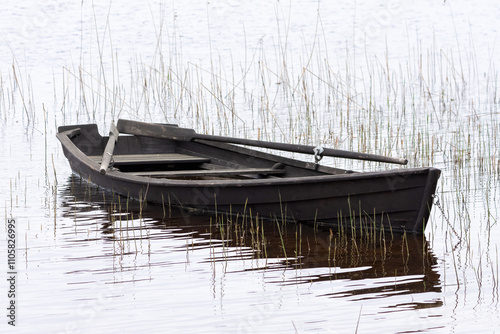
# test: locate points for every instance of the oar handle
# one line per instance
(364, 156)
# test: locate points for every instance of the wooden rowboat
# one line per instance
(166, 164)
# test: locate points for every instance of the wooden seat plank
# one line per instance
(210, 172)
(165, 158)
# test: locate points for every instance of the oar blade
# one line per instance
(165, 131)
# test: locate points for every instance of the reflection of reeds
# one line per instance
(281, 238)
(292, 248)
(276, 240)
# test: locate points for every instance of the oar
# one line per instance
(182, 134)
(108, 150)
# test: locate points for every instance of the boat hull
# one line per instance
(397, 200)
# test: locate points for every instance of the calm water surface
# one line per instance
(92, 262)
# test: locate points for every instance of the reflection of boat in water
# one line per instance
(365, 265)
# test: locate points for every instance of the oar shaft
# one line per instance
(180, 134)
(305, 149)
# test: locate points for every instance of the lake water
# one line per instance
(401, 78)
